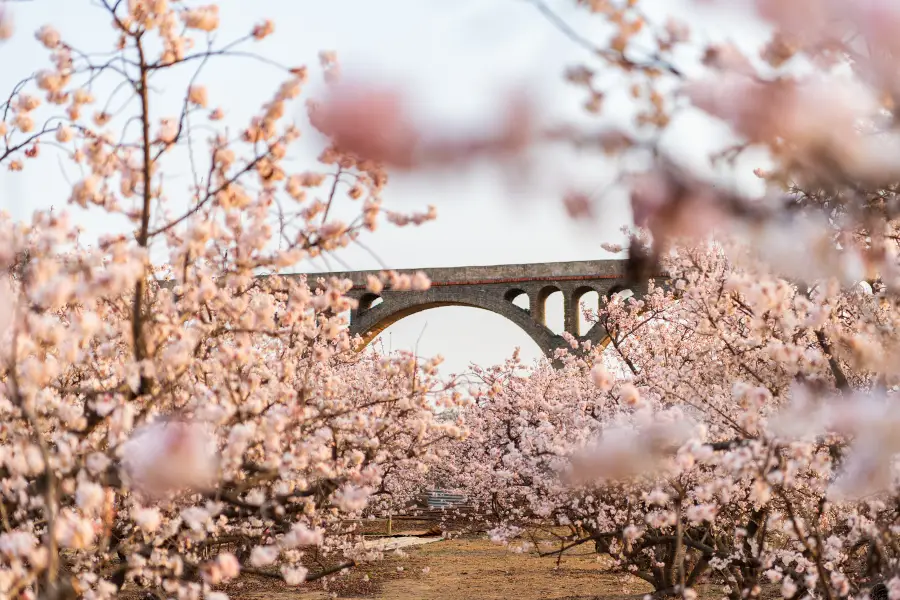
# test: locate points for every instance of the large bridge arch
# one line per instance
(491, 288)
(369, 322)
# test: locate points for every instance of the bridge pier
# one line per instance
(570, 312)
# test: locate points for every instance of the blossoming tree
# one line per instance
(749, 436)
(735, 429)
(174, 409)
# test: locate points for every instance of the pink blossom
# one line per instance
(262, 556)
(788, 588)
(148, 519)
(168, 131)
(301, 535)
(17, 544)
(294, 575)
(264, 29)
(629, 395)
(197, 95)
(7, 24)
(89, 496)
(790, 115)
(204, 18)
(702, 512)
(601, 377)
(48, 36)
(7, 305)
(352, 499)
(73, 531)
(167, 456)
(670, 209)
(420, 282)
(63, 134)
(374, 284)
(578, 205)
(369, 122)
(658, 498)
(623, 453)
(229, 565)
(24, 122)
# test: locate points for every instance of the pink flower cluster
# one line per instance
(173, 385)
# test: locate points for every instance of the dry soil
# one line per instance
(469, 568)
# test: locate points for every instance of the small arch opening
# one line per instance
(620, 291)
(588, 309)
(368, 301)
(554, 309)
(518, 298)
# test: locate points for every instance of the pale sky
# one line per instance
(457, 59)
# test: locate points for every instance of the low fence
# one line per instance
(443, 499)
(435, 504)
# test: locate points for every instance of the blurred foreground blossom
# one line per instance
(803, 248)
(6, 24)
(672, 207)
(871, 422)
(166, 457)
(814, 122)
(812, 22)
(7, 306)
(372, 123)
(622, 453)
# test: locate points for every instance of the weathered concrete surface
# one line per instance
(492, 288)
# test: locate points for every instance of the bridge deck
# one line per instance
(494, 274)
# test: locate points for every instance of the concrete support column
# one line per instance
(354, 312)
(536, 305)
(570, 315)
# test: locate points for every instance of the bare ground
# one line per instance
(465, 568)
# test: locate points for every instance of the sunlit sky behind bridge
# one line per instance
(458, 60)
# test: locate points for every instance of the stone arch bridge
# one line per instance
(493, 288)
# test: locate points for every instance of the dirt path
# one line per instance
(462, 569)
